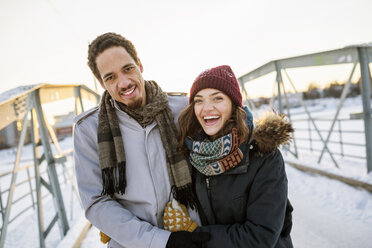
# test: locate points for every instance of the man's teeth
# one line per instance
(210, 117)
(129, 92)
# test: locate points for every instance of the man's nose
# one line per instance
(123, 81)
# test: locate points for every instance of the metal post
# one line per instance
(81, 100)
(13, 182)
(1, 207)
(312, 120)
(310, 137)
(35, 141)
(342, 99)
(340, 134)
(51, 168)
(278, 81)
(78, 100)
(290, 120)
(98, 98)
(366, 97)
(30, 185)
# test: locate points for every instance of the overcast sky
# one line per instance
(45, 41)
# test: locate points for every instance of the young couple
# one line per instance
(144, 159)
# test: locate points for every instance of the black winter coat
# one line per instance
(247, 206)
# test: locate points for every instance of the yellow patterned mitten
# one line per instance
(104, 237)
(176, 218)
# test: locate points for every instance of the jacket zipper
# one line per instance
(208, 188)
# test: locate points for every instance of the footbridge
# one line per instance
(42, 177)
(43, 165)
(322, 134)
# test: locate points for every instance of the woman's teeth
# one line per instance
(210, 118)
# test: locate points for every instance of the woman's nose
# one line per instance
(208, 106)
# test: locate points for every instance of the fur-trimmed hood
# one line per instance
(270, 131)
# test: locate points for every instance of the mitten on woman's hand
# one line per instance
(185, 239)
(176, 218)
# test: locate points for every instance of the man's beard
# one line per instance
(135, 104)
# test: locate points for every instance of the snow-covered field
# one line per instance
(327, 213)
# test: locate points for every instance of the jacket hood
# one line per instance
(270, 131)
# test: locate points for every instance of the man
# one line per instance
(127, 164)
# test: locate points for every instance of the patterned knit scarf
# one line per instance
(111, 149)
(215, 157)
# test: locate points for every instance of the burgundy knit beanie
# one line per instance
(221, 78)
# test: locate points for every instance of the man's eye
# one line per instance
(109, 78)
(128, 69)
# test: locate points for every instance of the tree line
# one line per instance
(334, 89)
(315, 91)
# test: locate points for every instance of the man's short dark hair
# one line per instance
(105, 41)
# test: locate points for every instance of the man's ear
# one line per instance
(140, 65)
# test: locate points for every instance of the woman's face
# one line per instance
(212, 109)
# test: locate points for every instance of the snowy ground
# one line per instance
(23, 231)
(327, 213)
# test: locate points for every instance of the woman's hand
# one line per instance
(185, 239)
(176, 218)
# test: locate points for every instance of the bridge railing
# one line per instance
(356, 55)
(25, 198)
(341, 143)
(25, 105)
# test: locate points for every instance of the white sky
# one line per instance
(46, 40)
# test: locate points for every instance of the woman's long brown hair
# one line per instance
(190, 126)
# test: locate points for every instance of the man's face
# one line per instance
(122, 77)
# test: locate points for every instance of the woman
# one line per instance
(239, 173)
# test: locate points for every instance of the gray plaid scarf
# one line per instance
(111, 149)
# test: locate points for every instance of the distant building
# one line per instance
(63, 124)
(290, 100)
(9, 135)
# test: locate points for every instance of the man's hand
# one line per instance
(185, 239)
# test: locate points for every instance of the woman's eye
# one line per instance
(197, 101)
(218, 98)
